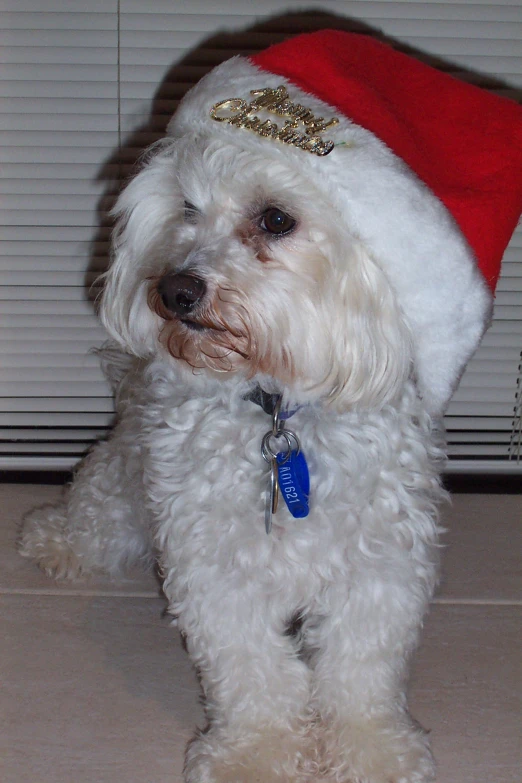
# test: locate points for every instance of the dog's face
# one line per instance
(230, 262)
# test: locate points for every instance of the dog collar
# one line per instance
(269, 402)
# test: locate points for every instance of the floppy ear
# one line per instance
(146, 213)
(373, 355)
(123, 307)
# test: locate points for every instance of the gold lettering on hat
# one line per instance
(239, 113)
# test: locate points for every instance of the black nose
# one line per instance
(180, 292)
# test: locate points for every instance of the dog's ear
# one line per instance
(146, 213)
(372, 344)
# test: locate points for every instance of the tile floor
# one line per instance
(95, 687)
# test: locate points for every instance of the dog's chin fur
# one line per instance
(309, 315)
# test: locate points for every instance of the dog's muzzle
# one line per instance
(180, 292)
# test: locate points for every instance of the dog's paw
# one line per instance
(43, 539)
(268, 757)
(377, 751)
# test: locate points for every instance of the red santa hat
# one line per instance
(425, 169)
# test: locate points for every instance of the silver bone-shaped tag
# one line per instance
(272, 496)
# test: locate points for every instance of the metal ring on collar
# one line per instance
(292, 443)
(277, 423)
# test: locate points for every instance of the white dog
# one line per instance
(250, 267)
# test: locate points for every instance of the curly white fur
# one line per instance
(311, 316)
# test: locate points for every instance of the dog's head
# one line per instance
(267, 239)
(231, 262)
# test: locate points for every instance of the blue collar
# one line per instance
(268, 402)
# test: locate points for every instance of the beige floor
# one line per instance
(95, 687)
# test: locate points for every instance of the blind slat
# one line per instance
(39, 421)
(55, 404)
(58, 434)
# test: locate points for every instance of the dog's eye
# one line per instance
(191, 213)
(275, 221)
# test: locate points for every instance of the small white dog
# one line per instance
(302, 267)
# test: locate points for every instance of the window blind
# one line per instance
(85, 86)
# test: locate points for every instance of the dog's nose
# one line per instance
(180, 292)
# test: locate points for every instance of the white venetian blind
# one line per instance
(85, 86)
(59, 123)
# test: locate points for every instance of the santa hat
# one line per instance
(426, 170)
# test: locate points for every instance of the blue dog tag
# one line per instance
(294, 482)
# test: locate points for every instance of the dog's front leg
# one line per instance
(256, 688)
(360, 666)
(101, 523)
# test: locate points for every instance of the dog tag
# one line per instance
(294, 482)
(272, 495)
